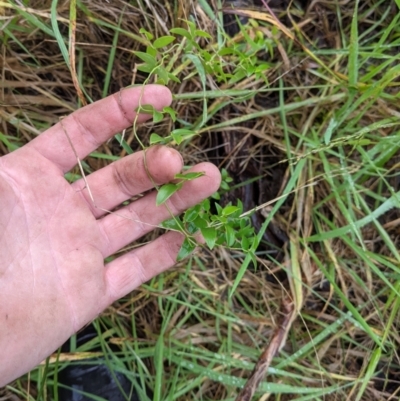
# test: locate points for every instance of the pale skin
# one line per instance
(54, 239)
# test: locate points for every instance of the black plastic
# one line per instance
(96, 380)
(93, 376)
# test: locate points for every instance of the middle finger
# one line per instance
(109, 187)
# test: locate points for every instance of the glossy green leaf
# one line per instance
(203, 34)
(148, 35)
(157, 116)
(145, 68)
(172, 77)
(151, 50)
(216, 196)
(192, 27)
(191, 228)
(189, 176)
(192, 213)
(171, 112)
(181, 134)
(162, 73)
(245, 243)
(166, 191)
(219, 209)
(228, 210)
(173, 224)
(147, 58)
(187, 248)
(155, 138)
(206, 205)
(181, 32)
(200, 222)
(210, 236)
(146, 109)
(230, 235)
(163, 41)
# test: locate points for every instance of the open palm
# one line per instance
(54, 239)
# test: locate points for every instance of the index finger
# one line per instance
(92, 125)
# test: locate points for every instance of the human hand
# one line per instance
(54, 240)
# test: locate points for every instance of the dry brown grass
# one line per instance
(190, 307)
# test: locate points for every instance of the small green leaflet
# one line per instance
(157, 116)
(192, 213)
(166, 191)
(173, 224)
(182, 32)
(181, 134)
(163, 41)
(155, 138)
(230, 235)
(145, 108)
(187, 248)
(189, 176)
(147, 58)
(210, 236)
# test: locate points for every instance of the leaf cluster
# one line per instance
(217, 225)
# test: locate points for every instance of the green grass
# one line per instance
(332, 121)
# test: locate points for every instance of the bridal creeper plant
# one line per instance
(218, 225)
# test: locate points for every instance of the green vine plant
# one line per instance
(226, 226)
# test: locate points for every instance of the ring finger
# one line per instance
(141, 216)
